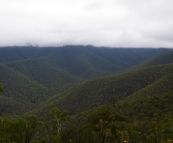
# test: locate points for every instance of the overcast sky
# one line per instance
(113, 23)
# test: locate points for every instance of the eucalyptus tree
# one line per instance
(106, 123)
(51, 129)
(1, 88)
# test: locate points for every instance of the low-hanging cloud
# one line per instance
(114, 23)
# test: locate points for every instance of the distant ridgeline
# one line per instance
(31, 75)
(110, 94)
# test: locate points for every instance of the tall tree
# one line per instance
(32, 124)
(105, 122)
(58, 118)
(51, 129)
(1, 88)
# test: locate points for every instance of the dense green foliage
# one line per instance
(150, 117)
(20, 89)
(158, 60)
(109, 90)
(32, 75)
(148, 120)
(137, 104)
(103, 125)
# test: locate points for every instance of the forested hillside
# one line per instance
(31, 75)
(80, 95)
(158, 60)
(111, 89)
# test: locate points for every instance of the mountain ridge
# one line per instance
(107, 90)
(33, 75)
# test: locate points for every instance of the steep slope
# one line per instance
(32, 75)
(87, 61)
(12, 108)
(8, 54)
(83, 61)
(21, 88)
(54, 78)
(107, 90)
(162, 88)
(149, 111)
(158, 60)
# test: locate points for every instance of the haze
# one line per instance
(113, 23)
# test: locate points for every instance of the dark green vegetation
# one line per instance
(137, 103)
(102, 125)
(1, 88)
(31, 75)
(158, 60)
(111, 89)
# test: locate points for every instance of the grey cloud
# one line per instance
(115, 23)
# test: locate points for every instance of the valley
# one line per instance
(110, 94)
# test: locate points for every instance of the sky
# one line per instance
(110, 23)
